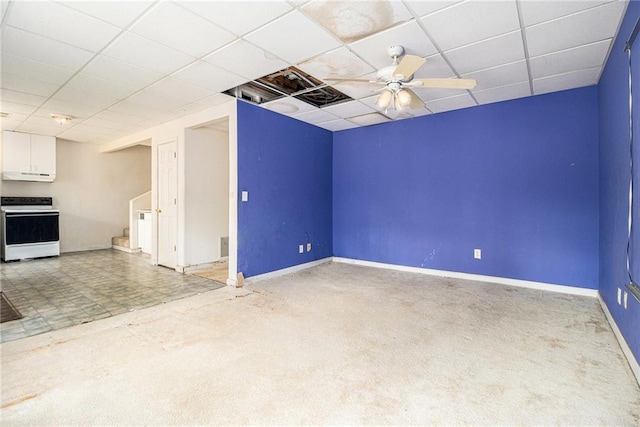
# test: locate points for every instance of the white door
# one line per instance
(167, 204)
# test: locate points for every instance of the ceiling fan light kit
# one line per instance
(398, 79)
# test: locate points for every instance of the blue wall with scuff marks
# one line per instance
(613, 90)
(286, 167)
(517, 179)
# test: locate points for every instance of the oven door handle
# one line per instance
(13, 215)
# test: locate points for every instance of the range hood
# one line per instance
(28, 176)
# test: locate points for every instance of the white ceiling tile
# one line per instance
(61, 23)
(209, 76)
(487, 53)
(173, 88)
(180, 29)
(3, 9)
(586, 56)
(406, 113)
(349, 109)
(338, 63)
(435, 67)
(129, 107)
(288, 106)
(34, 70)
(25, 84)
(97, 86)
(420, 112)
(34, 125)
(39, 48)
(315, 116)
(358, 90)
(208, 102)
(453, 103)
(116, 117)
(410, 36)
(239, 17)
(371, 102)
(83, 132)
(430, 94)
(81, 96)
(120, 72)
(353, 20)
(310, 39)
(121, 15)
(589, 26)
(503, 93)
(12, 107)
(158, 103)
(246, 59)
(147, 54)
(369, 119)
(102, 123)
(422, 7)
(13, 121)
(56, 106)
(21, 97)
(471, 21)
(537, 11)
(336, 125)
(566, 81)
(503, 75)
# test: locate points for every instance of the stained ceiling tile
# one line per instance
(350, 21)
(537, 11)
(503, 75)
(586, 56)
(176, 27)
(487, 53)
(338, 63)
(239, 17)
(503, 93)
(453, 103)
(565, 81)
(293, 37)
(288, 106)
(315, 116)
(589, 26)
(149, 55)
(471, 21)
(121, 16)
(58, 22)
(410, 36)
(246, 59)
(209, 77)
(38, 48)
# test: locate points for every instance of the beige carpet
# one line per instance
(218, 273)
(336, 344)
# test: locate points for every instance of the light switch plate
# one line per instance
(245, 196)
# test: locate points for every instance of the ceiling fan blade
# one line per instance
(416, 102)
(409, 65)
(444, 83)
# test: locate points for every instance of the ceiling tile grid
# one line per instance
(119, 68)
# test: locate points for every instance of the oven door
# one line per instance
(23, 227)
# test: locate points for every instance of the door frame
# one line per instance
(154, 202)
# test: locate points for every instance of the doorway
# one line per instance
(167, 203)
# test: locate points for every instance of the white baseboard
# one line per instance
(124, 249)
(287, 270)
(633, 363)
(476, 277)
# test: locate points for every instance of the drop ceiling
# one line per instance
(121, 67)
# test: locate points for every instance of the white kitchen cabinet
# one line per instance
(28, 157)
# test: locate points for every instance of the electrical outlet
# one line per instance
(477, 253)
(301, 249)
(624, 300)
(308, 247)
(619, 296)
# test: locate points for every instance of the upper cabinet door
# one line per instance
(16, 152)
(43, 154)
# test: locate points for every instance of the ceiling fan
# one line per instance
(398, 80)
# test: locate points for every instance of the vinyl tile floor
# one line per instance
(80, 287)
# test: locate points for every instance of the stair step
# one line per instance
(120, 241)
(125, 232)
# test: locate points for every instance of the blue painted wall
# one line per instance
(517, 179)
(614, 179)
(286, 167)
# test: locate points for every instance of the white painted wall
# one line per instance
(92, 191)
(175, 130)
(206, 193)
